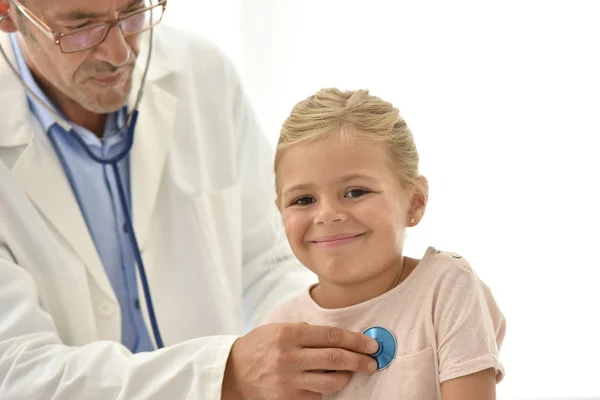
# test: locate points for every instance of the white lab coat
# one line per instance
(202, 198)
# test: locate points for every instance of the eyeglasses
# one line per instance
(90, 36)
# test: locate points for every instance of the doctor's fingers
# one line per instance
(319, 382)
(335, 360)
(316, 336)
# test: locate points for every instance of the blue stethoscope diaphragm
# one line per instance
(387, 346)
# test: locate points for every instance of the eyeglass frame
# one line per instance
(57, 36)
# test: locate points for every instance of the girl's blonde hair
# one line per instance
(353, 115)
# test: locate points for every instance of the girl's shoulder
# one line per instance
(450, 275)
(441, 265)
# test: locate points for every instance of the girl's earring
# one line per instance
(413, 221)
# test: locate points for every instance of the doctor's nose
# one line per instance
(114, 49)
(328, 214)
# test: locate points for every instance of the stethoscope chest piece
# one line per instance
(387, 346)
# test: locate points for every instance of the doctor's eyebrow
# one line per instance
(75, 15)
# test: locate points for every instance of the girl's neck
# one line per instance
(331, 295)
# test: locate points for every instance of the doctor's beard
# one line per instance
(98, 97)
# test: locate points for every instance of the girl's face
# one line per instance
(343, 210)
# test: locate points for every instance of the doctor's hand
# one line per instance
(286, 361)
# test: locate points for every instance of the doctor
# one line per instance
(131, 274)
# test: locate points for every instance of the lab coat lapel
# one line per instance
(44, 181)
(153, 134)
(14, 130)
(37, 170)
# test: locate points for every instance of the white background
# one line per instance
(503, 99)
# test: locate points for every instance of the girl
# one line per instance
(348, 186)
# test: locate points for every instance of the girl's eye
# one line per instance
(353, 193)
(303, 201)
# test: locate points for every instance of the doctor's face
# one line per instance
(98, 79)
(343, 210)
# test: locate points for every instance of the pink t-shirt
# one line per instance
(445, 321)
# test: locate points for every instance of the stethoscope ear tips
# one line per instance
(387, 346)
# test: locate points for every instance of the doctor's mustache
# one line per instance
(103, 68)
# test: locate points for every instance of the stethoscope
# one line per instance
(113, 162)
(387, 345)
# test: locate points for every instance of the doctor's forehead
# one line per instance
(84, 9)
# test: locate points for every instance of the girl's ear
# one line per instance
(418, 202)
